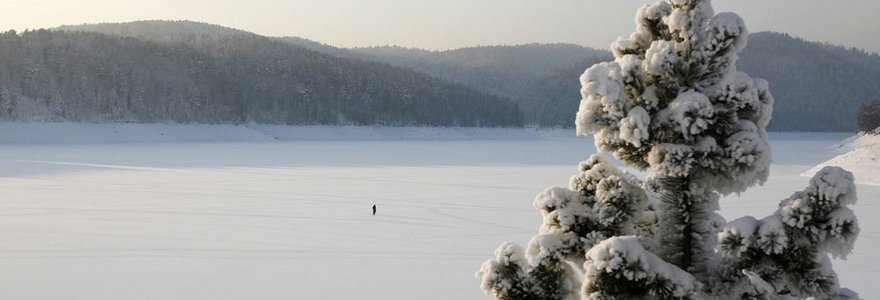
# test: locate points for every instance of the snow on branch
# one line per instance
(620, 268)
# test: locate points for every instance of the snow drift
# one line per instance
(860, 155)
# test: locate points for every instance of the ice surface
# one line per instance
(216, 212)
(54, 133)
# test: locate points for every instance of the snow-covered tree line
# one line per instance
(190, 76)
(673, 103)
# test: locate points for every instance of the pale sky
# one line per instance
(445, 24)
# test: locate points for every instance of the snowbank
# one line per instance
(63, 133)
(859, 155)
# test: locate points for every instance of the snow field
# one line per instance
(291, 219)
(54, 133)
(859, 154)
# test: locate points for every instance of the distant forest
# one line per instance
(180, 71)
(52, 75)
(817, 87)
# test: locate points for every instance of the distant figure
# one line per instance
(374, 209)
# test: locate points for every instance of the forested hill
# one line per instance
(193, 72)
(818, 87)
(538, 77)
(180, 71)
(498, 69)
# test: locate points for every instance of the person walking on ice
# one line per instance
(374, 209)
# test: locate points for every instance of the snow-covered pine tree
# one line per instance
(673, 103)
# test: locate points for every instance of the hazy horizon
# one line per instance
(449, 24)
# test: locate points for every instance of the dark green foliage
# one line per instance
(513, 279)
(617, 201)
(614, 287)
(548, 280)
(684, 225)
(600, 203)
(813, 224)
(515, 285)
(619, 268)
(869, 117)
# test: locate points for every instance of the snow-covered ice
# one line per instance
(860, 155)
(213, 212)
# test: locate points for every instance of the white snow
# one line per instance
(508, 253)
(625, 256)
(671, 159)
(660, 58)
(691, 113)
(740, 229)
(229, 212)
(634, 128)
(601, 84)
(56, 133)
(771, 235)
(859, 155)
(760, 286)
(729, 24)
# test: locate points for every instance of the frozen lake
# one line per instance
(267, 219)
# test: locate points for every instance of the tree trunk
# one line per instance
(686, 232)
